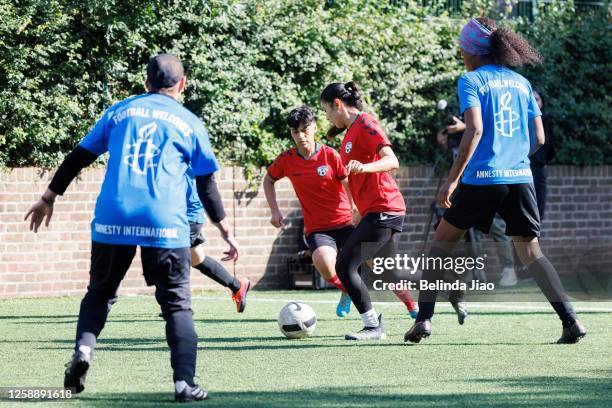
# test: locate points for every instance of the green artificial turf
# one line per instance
(504, 355)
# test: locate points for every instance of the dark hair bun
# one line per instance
(347, 92)
(352, 88)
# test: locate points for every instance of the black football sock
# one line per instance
(547, 278)
(427, 298)
(215, 271)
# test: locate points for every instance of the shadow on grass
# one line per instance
(263, 343)
(271, 344)
(49, 316)
(522, 391)
(131, 341)
(144, 317)
(36, 320)
(550, 312)
(259, 343)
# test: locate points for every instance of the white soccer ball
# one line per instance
(297, 320)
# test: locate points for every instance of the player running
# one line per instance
(151, 139)
(368, 157)
(500, 110)
(320, 181)
(208, 193)
(317, 176)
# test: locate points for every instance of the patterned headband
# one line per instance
(475, 38)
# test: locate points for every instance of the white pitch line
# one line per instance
(509, 306)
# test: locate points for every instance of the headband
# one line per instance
(475, 38)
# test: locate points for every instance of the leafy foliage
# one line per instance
(249, 62)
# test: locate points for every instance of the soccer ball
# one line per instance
(297, 320)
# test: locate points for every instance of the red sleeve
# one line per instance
(277, 169)
(374, 137)
(337, 166)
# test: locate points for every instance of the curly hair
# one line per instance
(509, 48)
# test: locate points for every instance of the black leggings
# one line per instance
(168, 270)
(376, 234)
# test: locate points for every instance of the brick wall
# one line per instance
(55, 261)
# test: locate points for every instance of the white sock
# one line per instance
(370, 318)
(85, 349)
(180, 386)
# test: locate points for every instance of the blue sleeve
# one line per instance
(96, 140)
(203, 160)
(468, 94)
(533, 110)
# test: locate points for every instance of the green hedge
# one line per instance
(575, 80)
(249, 62)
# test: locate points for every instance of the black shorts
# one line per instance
(166, 268)
(334, 238)
(474, 206)
(109, 264)
(195, 234)
(382, 219)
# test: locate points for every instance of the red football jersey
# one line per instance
(372, 192)
(317, 184)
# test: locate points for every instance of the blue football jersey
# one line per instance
(152, 140)
(195, 209)
(507, 104)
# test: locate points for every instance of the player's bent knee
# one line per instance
(102, 295)
(343, 265)
(197, 255)
(527, 248)
(170, 308)
(447, 232)
(173, 299)
(324, 259)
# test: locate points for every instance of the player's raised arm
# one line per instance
(387, 162)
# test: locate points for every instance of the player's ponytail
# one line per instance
(353, 89)
(509, 48)
(347, 93)
(333, 132)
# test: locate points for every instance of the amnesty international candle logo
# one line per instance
(144, 151)
(506, 118)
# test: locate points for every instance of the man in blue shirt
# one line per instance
(152, 140)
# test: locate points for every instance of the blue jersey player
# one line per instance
(206, 192)
(151, 140)
(491, 173)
